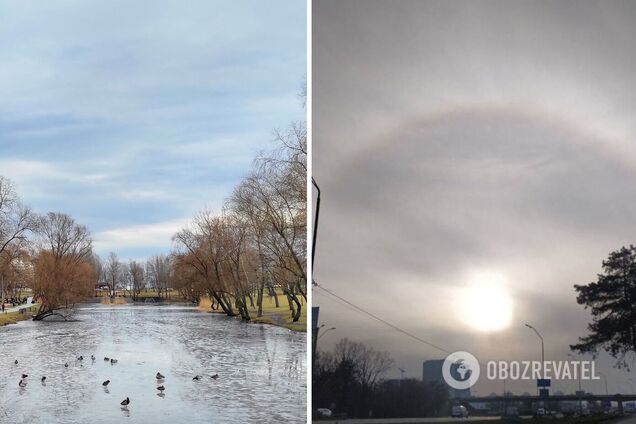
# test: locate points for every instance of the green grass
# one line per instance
(279, 316)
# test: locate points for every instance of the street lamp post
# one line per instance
(542, 353)
(315, 235)
(325, 332)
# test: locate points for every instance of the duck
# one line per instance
(22, 383)
(196, 377)
(92, 357)
(15, 362)
(161, 388)
(80, 358)
(160, 376)
(106, 358)
(24, 375)
(125, 402)
(214, 377)
(113, 361)
(106, 383)
(66, 365)
(43, 379)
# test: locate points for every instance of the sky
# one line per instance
(133, 116)
(459, 143)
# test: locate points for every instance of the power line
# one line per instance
(377, 318)
(337, 301)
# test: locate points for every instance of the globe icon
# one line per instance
(460, 370)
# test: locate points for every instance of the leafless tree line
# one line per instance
(256, 246)
(135, 276)
(258, 241)
(49, 253)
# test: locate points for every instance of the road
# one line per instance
(414, 420)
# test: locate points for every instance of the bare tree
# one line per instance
(15, 222)
(158, 270)
(369, 364)
(98, 266)
(136, 278)
(113, 273)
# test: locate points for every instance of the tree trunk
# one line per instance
(295, 311)
(272, 293)
(224, 304)
(259, 301)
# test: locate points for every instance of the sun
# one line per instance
(485, 303)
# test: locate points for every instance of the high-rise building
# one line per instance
(432, 373)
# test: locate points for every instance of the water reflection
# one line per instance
(261, 370)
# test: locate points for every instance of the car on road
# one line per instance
(459, 411)
(323, 412)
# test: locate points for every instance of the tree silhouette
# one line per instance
(612, 301)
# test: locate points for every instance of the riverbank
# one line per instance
(272, 315)
(280, 316)
(16, 316)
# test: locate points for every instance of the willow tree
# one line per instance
(200, 247)
(62, 271)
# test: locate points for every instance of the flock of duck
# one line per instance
(159, 377)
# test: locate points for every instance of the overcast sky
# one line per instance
(463, 138)
(132, 116)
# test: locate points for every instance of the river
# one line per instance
(262, 369)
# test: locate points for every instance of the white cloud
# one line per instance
(157, 235)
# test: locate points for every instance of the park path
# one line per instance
(17, 308)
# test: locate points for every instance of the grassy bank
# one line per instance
(280, 316)
(14, 317)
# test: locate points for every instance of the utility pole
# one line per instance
(542, 355)
(315, 235)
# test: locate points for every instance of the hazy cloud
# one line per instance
(458, 137)
(129, 114)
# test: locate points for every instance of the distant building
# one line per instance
(432, 374)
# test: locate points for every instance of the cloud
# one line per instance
(459, 136)
(154, 236)
(125, 119)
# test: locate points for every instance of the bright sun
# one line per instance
(486, 304)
